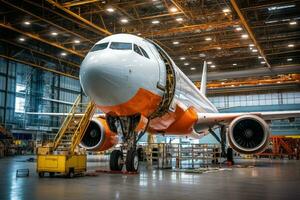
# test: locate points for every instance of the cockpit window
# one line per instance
(144, 52)
(136, 49)
(121, 45)
(98, 47)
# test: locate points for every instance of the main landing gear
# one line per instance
(125, 127)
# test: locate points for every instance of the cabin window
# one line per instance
(121, 46)
(137, 50)
(98, 47)
(144, 52)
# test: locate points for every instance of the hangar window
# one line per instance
(144, 52)
(137, 49)
(121, 46)
(98, 47)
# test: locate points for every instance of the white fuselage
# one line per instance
(113, 77)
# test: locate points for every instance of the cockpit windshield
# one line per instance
(98, 47)
(121, 46)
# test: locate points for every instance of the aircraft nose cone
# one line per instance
(103, 79)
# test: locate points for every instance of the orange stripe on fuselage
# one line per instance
(175, 123)
(143, 102)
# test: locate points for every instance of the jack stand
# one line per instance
(221, 140)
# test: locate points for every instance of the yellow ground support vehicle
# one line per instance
(63, 156)
(62, 164)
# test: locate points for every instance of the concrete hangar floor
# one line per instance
(266, 179)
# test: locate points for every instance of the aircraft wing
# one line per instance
(215, 118)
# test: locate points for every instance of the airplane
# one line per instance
(139, 88)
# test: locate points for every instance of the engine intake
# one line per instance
(248, 134)
(98, 136)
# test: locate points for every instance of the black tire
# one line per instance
(41, 174)
(71, 174)
(132, 161)
(116, 160)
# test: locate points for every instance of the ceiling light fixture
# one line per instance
(245, 36)
(21, 39)
(208, 38)
(63, 53)
(293, 23)
(192, 68)
(263, 62)
(238, 28)
(155, 22)
(76, 41)
(234, 64)
(124, 20)
(179, 19)
(182, 58)
(173, 9)
(289, 59)
(209, 62)
(254, 50)
(110, 10)
(226, 10)
(27, 23)
(291, 45)
(213, 66)
(186, 64)
(175, 42)
(54, 33)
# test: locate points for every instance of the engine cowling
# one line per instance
(98, 136)
(248, 134)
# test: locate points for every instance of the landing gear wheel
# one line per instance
(71, 174)
(116, 160)
(132, 161)
(41, 174)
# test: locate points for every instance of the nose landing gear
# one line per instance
(125, 127)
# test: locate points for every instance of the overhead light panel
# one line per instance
(76, 41)
(245, 36)
(124, 20)
(213, 66)
(234, 64)
(251, 45)
(291, 45)
(208, 38)
(209, 62)
(179, 19)
(238, 28)
(110, 9)
(260, 57)
(63, 53)
(155, 22)
(193, 68)
(54, 33)
(226, 10)
(182, 58)
(173, 9)
(289, 59)
(263, 62)
(281, 7)
(27, 23)
(175, 42)
(186, 64)
(21, 39)
(293, 23)
(254, 50)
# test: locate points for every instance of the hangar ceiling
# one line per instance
(231, 35)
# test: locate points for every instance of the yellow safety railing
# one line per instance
(66, 123)
(82, 126)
